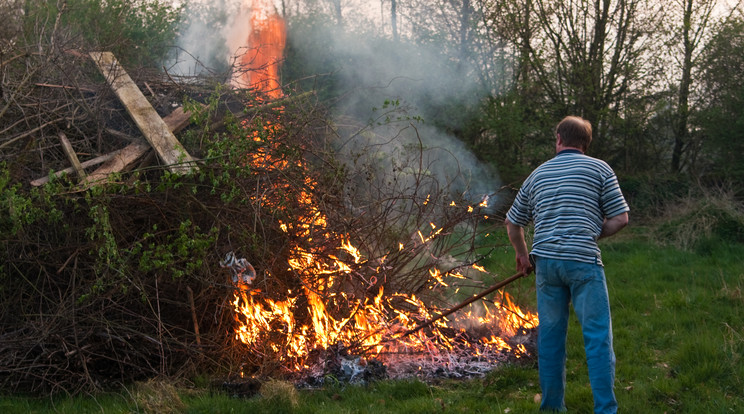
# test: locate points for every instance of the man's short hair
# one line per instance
(575, 132)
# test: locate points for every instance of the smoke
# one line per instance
(407, 101)
(212, 34)
(411, 100)
(237, 30)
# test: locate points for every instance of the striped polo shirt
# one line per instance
(568, 198)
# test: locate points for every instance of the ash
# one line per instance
(470, 360)
(466, 360)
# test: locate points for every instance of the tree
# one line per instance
(337, 11)
(514, 120)
(721, 114)
(691, 28)
(588, 55)
(591, 58)
(394, 19)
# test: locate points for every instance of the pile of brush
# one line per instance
(121, 281)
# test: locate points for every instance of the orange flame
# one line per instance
(264, 48)
(373, 323)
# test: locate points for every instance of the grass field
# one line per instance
(678, 319)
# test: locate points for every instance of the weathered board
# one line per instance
(85, 164)
(121, 159)
(155, 130)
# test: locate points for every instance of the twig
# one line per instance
(464, 303)
(47, 85)
(450, 311)
(193, 314)
(27, 133)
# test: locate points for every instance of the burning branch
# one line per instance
(464, 303)
(364, 280)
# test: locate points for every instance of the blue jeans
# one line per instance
(560, 282)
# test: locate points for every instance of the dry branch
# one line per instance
(30, 132)
(193, 314)
(75, 88)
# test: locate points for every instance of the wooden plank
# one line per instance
(155, 130)
(71, 155)
(118, 163)
(176, 121)
(85, 164)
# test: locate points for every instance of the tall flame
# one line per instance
(261, 49)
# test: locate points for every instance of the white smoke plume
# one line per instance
(400, 90)
(212, 35)
(409, 95)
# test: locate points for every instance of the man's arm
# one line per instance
(612, 225)
(516, 237)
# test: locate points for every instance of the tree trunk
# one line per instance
(680, 127)
(466, 13)
(394, 18)
(695, 21)
(336, 4)
(523, 72)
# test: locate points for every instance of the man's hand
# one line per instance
(516, 237)
(524, 265)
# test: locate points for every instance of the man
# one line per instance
(573, 200)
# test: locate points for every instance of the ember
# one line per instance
(466, 345)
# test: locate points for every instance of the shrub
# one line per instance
(139, 32)
(649, 196)
(691, 221)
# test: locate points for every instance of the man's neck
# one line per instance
(568, 150)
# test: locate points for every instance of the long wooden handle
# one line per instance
(464, 303)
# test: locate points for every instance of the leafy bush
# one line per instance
(650, 196)
(121, 281)
(691, 221)
(139, 32)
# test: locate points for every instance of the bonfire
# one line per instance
(253, 253)
(346, 309)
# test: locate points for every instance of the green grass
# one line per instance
(678, 319)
